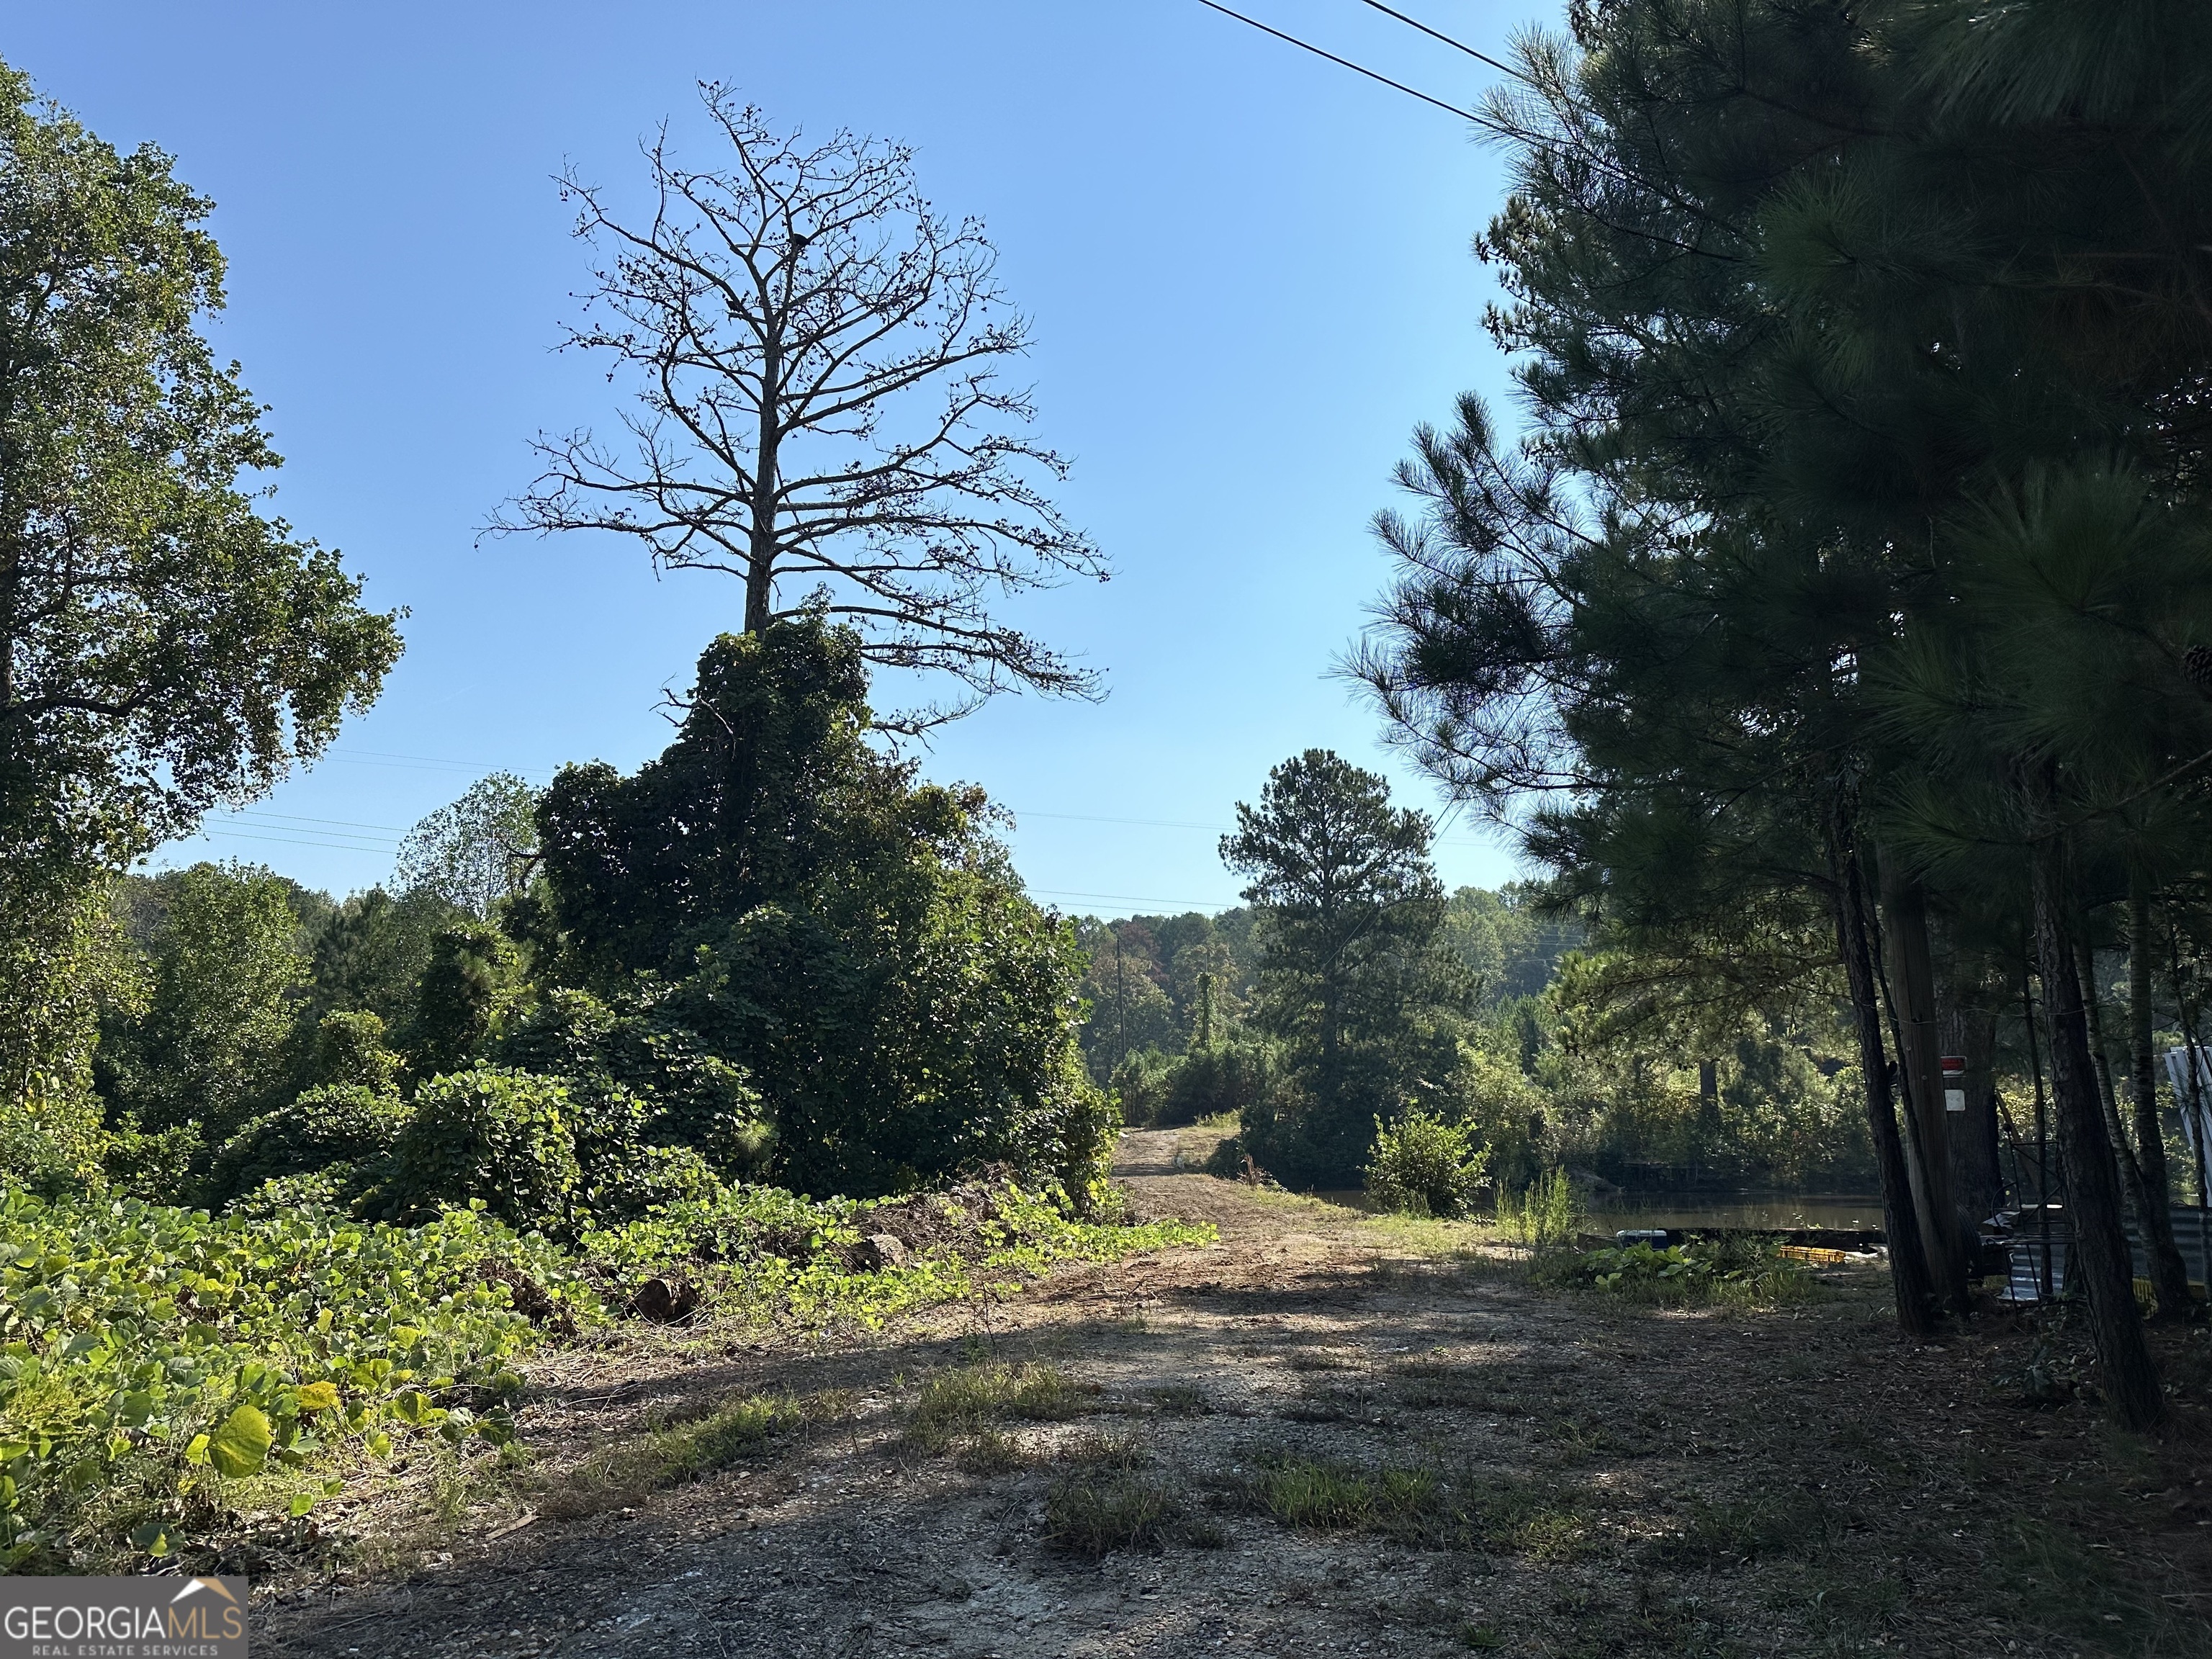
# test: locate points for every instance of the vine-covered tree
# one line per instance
(818, 353)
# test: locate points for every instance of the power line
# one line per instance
(1136, 898)
(1359, 69)
(1457, 46)
(257, 813)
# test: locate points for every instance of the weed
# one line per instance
(989, 1452)
(1735, 1272)
(956, 1405)
(1091, 1514)
(1547, 1217)
(1424, 1507)
(1106, 1451)
(675, 1450)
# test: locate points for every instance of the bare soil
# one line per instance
(1785, 1481)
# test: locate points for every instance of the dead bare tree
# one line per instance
(787, 320)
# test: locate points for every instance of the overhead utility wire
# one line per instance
(1458, 46)
(1596, 163)
(1359, 68)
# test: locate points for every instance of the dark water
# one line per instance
(1840, 1210)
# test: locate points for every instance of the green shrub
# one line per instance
(159, 1166)
(1735, 1269)
(506, 1138)
(342, 1123)
(351, 1049)
(690, 1096)
(1422, 1165)
(1548, 1216)
(1213, 1080)
(1138, 1084)
(153, 1360)
(644, 1179)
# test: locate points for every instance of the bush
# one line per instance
(690, 1096)
(159, 1166)
(1213, 1080)
(351, 1049)
(1735, 1269)
(1422, 1165)
(506, 1137)
(1138, 1084)
(338, 1124)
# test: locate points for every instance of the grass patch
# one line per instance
(676, 1450)
(1732, 1532)
(1095, 1514)
(956, 1407)
(1421, 1507)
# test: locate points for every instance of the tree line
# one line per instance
(1841, 610)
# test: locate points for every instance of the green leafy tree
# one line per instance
(224, 966)
(164, 648)
(470, 986)
(1349, 909)
(846, 937)
(476, 851)
(369, 956)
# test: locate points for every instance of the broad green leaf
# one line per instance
(241, 1446)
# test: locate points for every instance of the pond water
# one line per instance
(1839, 1210)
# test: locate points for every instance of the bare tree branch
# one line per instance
(781, 319)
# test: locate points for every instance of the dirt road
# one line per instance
(1353, 1442)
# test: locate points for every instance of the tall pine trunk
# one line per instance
(1908, 1265)
(1912, 981)
(2093, 1192)
(2169, 1277)
(1978, 1183)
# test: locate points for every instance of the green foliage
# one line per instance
(475, 853)
(1423, 1165)
(659, 1083)
(1548, 1216)
(1350, 979)
(370, 955)
(846, 939)
(224, 957)
(504, 1139)
(1507, 945)
(152, 1360)
(1748, 1271)
(61, 961)
(334, 1124)
(351, 1050)
(469, 987)
(772, 1256)
(168, 648)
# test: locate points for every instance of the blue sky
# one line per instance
(1248, 276)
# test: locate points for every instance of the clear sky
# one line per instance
(1249, 276)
